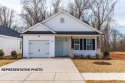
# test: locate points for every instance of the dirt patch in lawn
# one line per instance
(102, 63)
(90, 66)
(112, 81)
(117, 55)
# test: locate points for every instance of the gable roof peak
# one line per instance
(73, 18)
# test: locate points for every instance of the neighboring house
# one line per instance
(9, 40)
(56, 36)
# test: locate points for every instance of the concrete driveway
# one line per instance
(54, 71)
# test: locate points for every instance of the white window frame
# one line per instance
(76, 44)
(89, 44)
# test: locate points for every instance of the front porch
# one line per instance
(81, 45)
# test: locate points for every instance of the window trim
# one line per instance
(77, 44)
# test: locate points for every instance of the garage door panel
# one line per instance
(39, 48)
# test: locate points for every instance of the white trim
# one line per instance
(36, 25)
(73, 18)
(10, 37)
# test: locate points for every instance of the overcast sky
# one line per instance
(119, 11)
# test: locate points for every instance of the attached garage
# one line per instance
(38, 48)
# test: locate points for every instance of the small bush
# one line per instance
(1, 53)
(97, 56)
(88, 56)
(14, 54)
(83, 56)
(106, 54)
(77, 56)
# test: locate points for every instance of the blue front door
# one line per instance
(59, 47)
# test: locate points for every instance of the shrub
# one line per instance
(77, 56)
(83, 56)
(80, 56)
(1, 53)
(97, 56)
(88, 56)
(14, 54)
(106, 54)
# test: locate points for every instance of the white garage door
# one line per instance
(39, 48)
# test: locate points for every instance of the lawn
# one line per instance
(117, 64)
(91, 66)
(9, 59)
(105, 81)
(4, 62)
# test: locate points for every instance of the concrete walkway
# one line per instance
(104, 76)
(54, 71)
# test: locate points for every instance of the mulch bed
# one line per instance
(102, 63)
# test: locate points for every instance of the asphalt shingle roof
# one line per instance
(64, 32)
(9, 32)
(38, 32)
(78, 32)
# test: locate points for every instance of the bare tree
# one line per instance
(102, 10)
(6, 16)
(115, 37)
(33, 11)
(56, 6)
(101, 16)
(78, 7)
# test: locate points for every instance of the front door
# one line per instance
(59, 47)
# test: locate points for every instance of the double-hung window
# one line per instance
(76, 44)
(89, 44)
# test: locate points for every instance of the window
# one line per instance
(89, 44)
(76, 44)
(61, 20)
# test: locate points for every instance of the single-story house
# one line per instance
(10, 40)
(57, 35)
